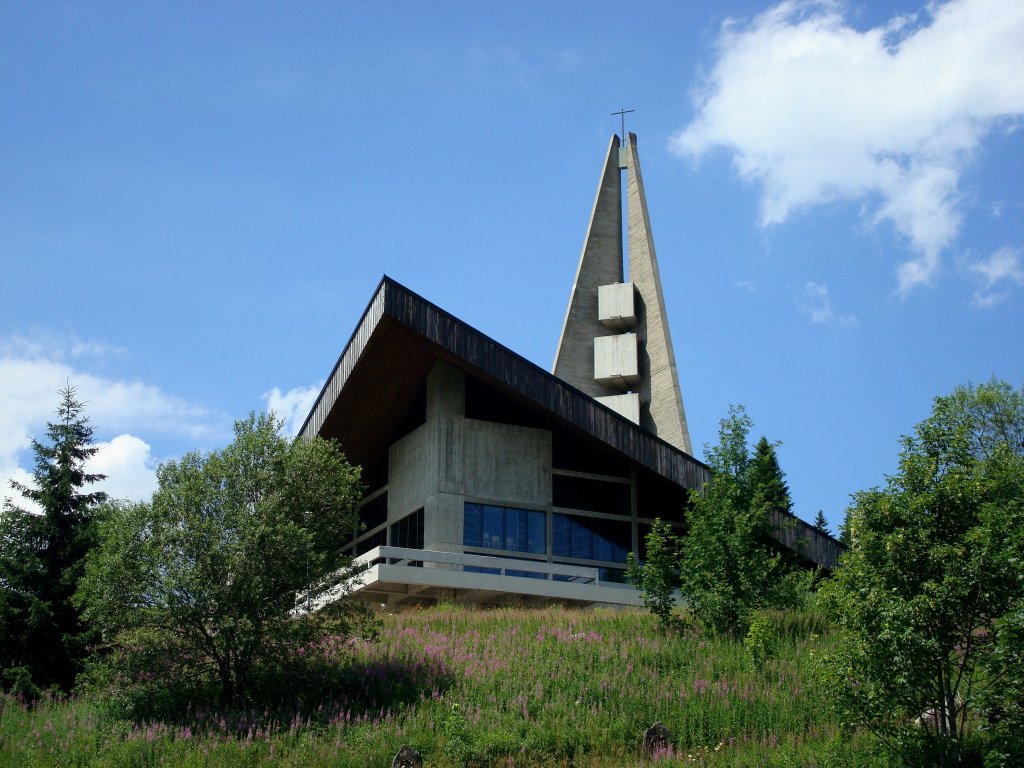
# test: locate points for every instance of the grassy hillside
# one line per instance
(512, 687)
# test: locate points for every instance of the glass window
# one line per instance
(494, 527)
(536, 532)
(615, 575)
(472, 527)
(582, 540)
(378, 539)
(408, 532)
(525, 574)
(512, 519)
(374, 513)
(478, 569)
(507, 528)
(591, 495)
(591, 538)
(560, 530)
(508, 572)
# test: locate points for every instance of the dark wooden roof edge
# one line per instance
(819, 547)
(394, 308)
(355, 331)
(391, 299)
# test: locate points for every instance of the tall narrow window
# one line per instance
(408, 532)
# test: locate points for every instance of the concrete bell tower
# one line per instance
(615, 344)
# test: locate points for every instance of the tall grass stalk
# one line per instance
(508, 687)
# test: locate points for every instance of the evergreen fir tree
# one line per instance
(766, 479)
(821, 523)
(42, 637)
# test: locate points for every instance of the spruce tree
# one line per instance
(42, 636)
(821, 523)
(767, 482)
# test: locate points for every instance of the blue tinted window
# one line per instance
(536, 532)
(582, 540)
(507, 528)
(512, 517)
(472, 528)
(525, 574)
(615, 575)
(591, 538)
(561, 542)
(478, 569)
(494, 527)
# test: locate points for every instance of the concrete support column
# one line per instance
(446, 442)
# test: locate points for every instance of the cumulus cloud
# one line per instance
(128, 463)
(34, 368)
(293, 406)
(997, 271)
(816, 303)
(814, 110)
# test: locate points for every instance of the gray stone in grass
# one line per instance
(407, 757)
(656, 739)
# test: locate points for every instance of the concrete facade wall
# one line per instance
(410, 479)
(450, 457)
(506, 462)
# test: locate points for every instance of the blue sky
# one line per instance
(198, 199)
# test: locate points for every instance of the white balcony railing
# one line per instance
(424, 569)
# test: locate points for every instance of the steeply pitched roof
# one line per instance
(399, 338)
(396, 342)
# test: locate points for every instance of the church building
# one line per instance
(489, 478)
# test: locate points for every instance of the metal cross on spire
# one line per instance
(622, 113)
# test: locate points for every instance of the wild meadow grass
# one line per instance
(506, 687)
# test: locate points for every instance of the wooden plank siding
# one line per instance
(806, 540)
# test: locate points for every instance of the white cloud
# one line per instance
(816, 303)
(1000, 268)
(293, 406)
(40, 343)
(33, 369)
(130, 468)
(815, 111)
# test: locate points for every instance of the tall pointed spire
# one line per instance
(615, 343)
(659, 387)
(600, 264)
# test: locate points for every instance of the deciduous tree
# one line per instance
(930, 594)
(657, 577)
(728, 567)
(199, 585)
